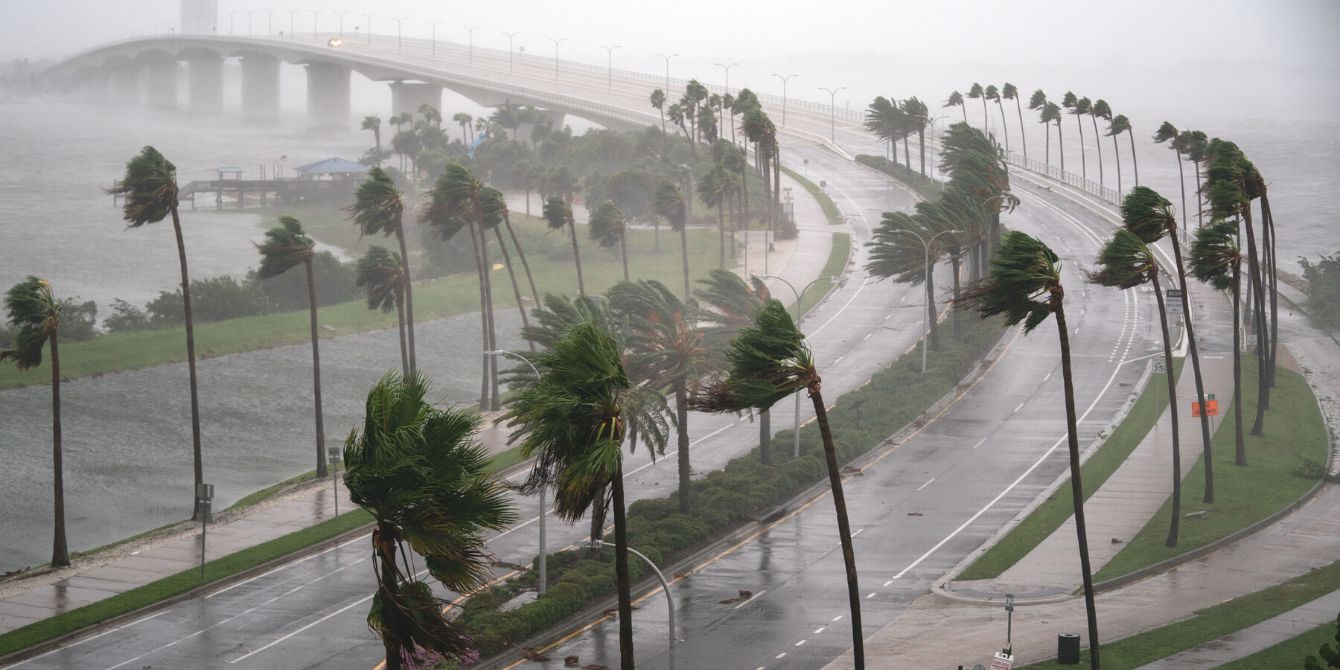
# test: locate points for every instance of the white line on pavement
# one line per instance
(928, 483)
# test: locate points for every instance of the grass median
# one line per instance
(831, 210)
(1289, 653)
(833, 268)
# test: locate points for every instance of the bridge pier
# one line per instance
(327, 95)
(407, 97)
(205, 91)
(123, 85)
(260, 88)
(91, 86)
(160, 84)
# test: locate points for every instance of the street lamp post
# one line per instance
(333, 457)
(784, 80)
(269, 22)
(544, 509)
(727, 68)
(926, 327)
(609, 65)
(510, 48)
(316, 14)
(341, 15)
(433, 25)
(293, 22)
(399, 35)
(470, 52)
(800, 295)
(832, 112)
(250, 12)
(557, 42)
(667, 70)
(369, 21)
(665, 588)
(232, 21)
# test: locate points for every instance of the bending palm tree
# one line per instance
(956, 100)
(1217, 261)
(734, 304)
(287, 246)
(425, 479)
(992, 93)
(769, 361)
(1025, 286)
(379, 208)
(669, 204)
(383, 273)
(608, 228)
(658, 101)
(1115, 126)
(573, 421)
(976, 93)
(918, 116)
(1196, 144)
(1010, 92)
(1127, 262)
(34, 315)
(1080, 107)
(896, 251)
(1051, 112)
(494, 215)
(558, 213)
(150, 190)
(463, 120)
(1099, 110)
(714, 191)
(374, 123)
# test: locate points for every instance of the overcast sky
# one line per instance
(1250, 56)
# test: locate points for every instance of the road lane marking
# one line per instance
(781, 655)
(839, 359)
(836, 618)
(886, 584)
(979, 443)
(867, 336)
(90, 638)
(337, 612)
(800, 643)
(1049, 376)
(928, 483)
(872, 595)
(820, 629)
(751, 599)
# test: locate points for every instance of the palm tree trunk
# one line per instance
(521, 253)
(60, 552)
(656, 234)
(1083, 160)
(1004, 128)
(622, 581)
(1200, 198)
(409, 299)
(721, 233)
(682, 442)
(1181, 181)
(1135, 160)
(777, 181)
(921, 145)
(931, 312)
(1048, 134)
(316, 372)
(492, 332)
(984, 115)
(483, 323)
(907, 151)
(511, 274)
(1022, 137)
(1194, 351)
(1268, 226)
(1256, 297)
(196, 452)
(765, 436)
(386, 548)
(1076, 484)
(1060, 146)
(963, 107)
(684, 257)
(734, 227)
(577, 258)
(1098, 144)
(1239, 442)
(623, 252)
(844, 526)
(956, 261)
(404, 351)
(1116, 151)
(1173, 525)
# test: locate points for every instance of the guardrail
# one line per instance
(1109, 195)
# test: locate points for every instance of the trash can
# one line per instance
(1067, 649)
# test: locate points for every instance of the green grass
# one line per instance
(548, 254)
(1214, 622)
(1289, 653)
(182, 582)
(831, 211)
(1047, 517)
(833, 267)
(1243, 495)
(251, 499)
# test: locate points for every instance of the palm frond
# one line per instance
(1025, 277)
(1215, 254)
(149, 187)
(378, 206)
(767, 361)
(286, 246)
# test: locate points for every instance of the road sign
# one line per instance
(1251, 341)
(1173, 294)
(1211, 408)
(1160, 367)
(1002, 661)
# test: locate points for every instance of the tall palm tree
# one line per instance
(1079, 107)
(1196, 144)
(1045, 118)
(1096, 109)
(1150, 216)
(1052, 112)
(733, 304)
(463, 120)
(374, 123)
(149, 188)
(918, 117)
(1116, 125)
(1010, 92)
(1127, 262)
(425, 479)
(658, 101)
(379, 208)
(494, 215)
(714, 190)
(667, 347)
(977, 93)
(992, 93)
(34, 315)
(884, 119)
(767, 362)
(381, 271)
(956, 100)
(608, 228)
(895, 251)
(287, 246)
(1216, 260)
(669, 204)
(1025, 285)
(558, 214)
(573, 421)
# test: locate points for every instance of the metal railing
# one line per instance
(1103, 192)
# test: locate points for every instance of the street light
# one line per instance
(556, 43)
(832, 112)
(333, 458)
(269, 22)
(369, 18)
(433, 24)
(727, 69)
(315, 13)
(471, 52)
(800, 295)
(232, 21)
(510, 49)
(667, 70)
(609, 65)
(665, 588)
(399, 21)
(544, 509)
(341, 15)
(293, 22)
(926, 327)
(784, 80)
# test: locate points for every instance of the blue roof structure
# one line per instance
(331, 166)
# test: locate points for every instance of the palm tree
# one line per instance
(658, 101)
(379, 208)
(149, 188)
(463, 120)
(608, 228)
(767, 362)
(495, 215)
(1051, 112)
(1115, 126)
(286, 246)
(1025, 285)
(896, 251)
(733, 304)
(714, 190)
(669, 204)
(383, 273)
(1216, 260)
(1127, 262)
(1196, 144)
(1167, 132)
(884, 118)
(1098, 108)
(1150, 216)
(34, 315)
(1045, 118)
(956, 100)
(558, 213)
(374, 123)
(573, 421)
(918, 116)
(992, 93)
(667, 347)
(1080, 107)
(1010, 92)
(976, 93)
(425, 479)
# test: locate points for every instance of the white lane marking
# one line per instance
(267, 573)
(872, 595)
(781, 655)
(867, 336)
(1049, 376)
(858, 532)
(886, 584)
(979, 443)
(800, 644)
(1018, 407)
(838, 617)
(839, 359)
(928, 483)
(820, 629)
(90, 638)
(751, 599)
(337, 612)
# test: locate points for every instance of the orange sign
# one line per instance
(1211, 408)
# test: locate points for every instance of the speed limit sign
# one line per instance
(1160, 367)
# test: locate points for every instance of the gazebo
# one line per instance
(331, 169)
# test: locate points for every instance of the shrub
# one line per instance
(1323, 290)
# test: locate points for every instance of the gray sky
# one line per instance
(1247, 56)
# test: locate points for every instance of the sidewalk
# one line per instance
(798, 261)
(1256, 638)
